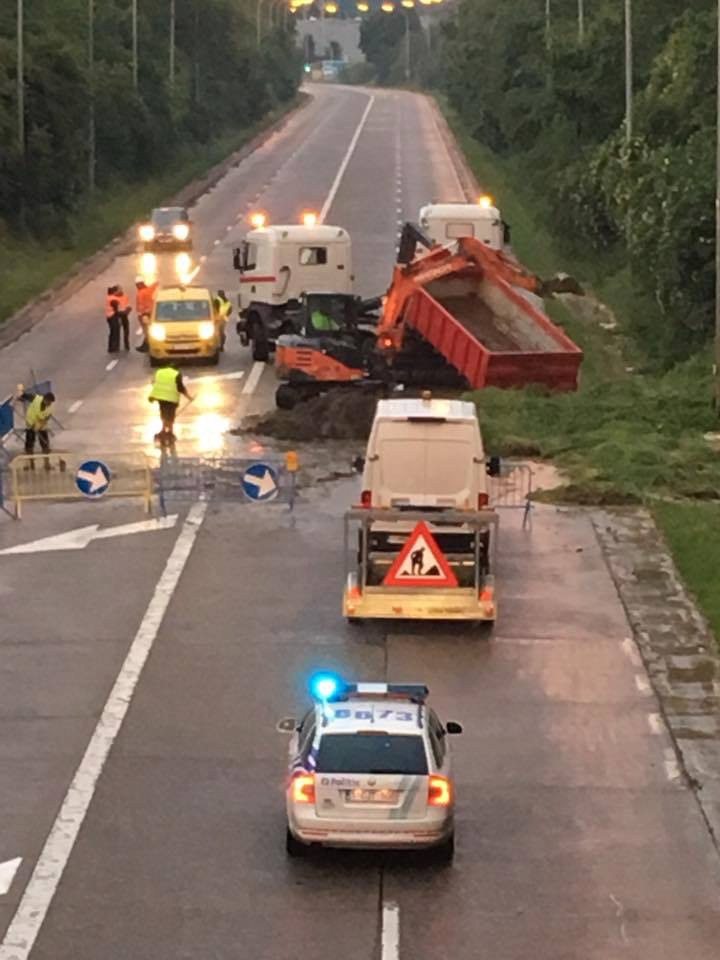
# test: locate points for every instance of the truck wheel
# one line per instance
(293, 847)
(260, 345)
(286, 397)
(214, 360)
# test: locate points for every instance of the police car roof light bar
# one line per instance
(416, 692)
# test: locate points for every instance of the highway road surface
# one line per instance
(143, 672)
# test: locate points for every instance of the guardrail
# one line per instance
(54, 476)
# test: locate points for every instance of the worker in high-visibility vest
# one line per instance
(37, 417)
(117, 314)
(167, 389)
(144, 302)
(223, 309)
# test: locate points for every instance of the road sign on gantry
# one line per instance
(92, 478)
(260, 482)
(420, 563)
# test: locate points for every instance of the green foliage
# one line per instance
(223, 83)
(555, 113)
(385, 42)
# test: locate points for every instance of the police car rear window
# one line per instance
(371, 753)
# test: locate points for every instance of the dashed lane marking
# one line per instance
(631, 651)
(643, 684)
(655, 722)
(253, 377)
(672, 768)
(390, 931)
(35, 903)
(346, 160)
(111, 365)
(74, 407)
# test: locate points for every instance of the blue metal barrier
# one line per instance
(225, 479)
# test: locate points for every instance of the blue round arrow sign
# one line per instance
(260, 482)
(92, 478)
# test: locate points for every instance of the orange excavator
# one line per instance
(463, 309)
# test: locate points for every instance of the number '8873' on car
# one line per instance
(370, 767)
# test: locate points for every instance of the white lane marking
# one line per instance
(253, 378)
(79, 538)
(643, 684)
(620, 914)
(672, 768)
(655, 722)
(214, 377)
(112, 364)
(346, 160)
(216, 243)
(7, 874)
(631, 651)
(390, 931)
(74, 407)
(32, 910)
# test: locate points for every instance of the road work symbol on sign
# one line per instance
(420, 563)
(92, 478)
(260, 482)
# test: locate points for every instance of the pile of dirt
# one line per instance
(336, 415)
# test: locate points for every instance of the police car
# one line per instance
(370, 767)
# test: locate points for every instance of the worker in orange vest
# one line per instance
(117, 314)
(144, 301)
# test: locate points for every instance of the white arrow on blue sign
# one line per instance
(260, 482)
(92, 478)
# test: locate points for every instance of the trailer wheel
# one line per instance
(286, 397)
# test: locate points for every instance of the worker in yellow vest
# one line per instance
(37, 417)
(167, 389)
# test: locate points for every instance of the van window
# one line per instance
(174, 310)
(313, 256)
(454, 231)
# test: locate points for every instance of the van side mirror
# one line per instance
(287, 725)
(451, 727)
(237, 259)
(358, 464)
(493, 467)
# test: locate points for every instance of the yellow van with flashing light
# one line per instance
(184, 325)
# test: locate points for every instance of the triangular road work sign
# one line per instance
(420, 563)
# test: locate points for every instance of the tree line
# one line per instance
(223, 80)
(549, 99)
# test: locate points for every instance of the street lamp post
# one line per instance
(21, 77)
(717, 230)
(135, 43)
(581, 22)
(548, 24)
(258, 21)
(91, 105)
(628, 72)
(172, 44)
(407, 46)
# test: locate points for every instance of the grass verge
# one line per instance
(693, 532)
(629, 435)
(30, 266)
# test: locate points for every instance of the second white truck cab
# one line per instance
(277, 265)
(425, 453)
(447, 222)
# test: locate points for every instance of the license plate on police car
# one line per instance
(383, 795)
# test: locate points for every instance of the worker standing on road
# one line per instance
(37, 417)
(167, 389)
(112, 316)
(223, 309)
(144, 301)
(124, 310)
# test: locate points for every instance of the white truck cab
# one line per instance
(277, 265)
(425, 453)
(446, 222)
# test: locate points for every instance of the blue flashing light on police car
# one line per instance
(323, 686)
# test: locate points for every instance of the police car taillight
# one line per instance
(303, 788)
(439, 792)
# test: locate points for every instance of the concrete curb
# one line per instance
(467, 179)
(85, 270)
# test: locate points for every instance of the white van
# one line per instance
(425, 453)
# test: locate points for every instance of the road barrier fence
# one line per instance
(512, 489)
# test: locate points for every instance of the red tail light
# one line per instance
(483, 501)
(366, 498)
(386, 342)
(303, 788)
(439, 792)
